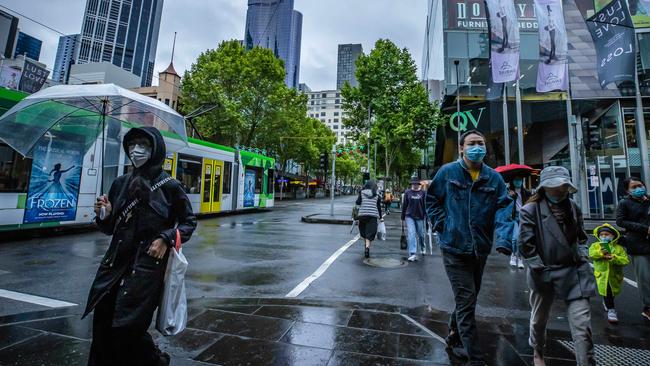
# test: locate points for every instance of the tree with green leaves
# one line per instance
(391, 102)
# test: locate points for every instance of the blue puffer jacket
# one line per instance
(468, 214)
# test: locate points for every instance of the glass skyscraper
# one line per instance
(65, 53)
(28, 46)
(123, 32)
(275, 25)
(347, 67)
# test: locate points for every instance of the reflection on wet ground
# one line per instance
(251, 331)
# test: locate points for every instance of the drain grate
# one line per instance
(616, 356)
(383, 262)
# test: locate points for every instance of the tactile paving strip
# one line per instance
(616, 356)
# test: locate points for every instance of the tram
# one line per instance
(216, 178)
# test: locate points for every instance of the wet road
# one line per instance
(258, 259)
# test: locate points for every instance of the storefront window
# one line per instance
(14, 170)
(188, 172)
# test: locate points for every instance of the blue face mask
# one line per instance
(638, 192)
(517, 183)
(556, 200)
(475, 153)
(606, 239)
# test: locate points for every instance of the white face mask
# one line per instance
(139, 154)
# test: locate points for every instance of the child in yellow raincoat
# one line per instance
(609, 259)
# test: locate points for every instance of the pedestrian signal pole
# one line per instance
(333, 185)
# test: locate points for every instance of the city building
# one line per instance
(102, 73)
(168, 89)
(303, 88)
(8, 32)
(122, 32)
(604, 145)
(327, 106)
(346, 66)
(275, 25)
(28, 46)
(65, 53)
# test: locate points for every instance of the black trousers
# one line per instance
(132, 346)
(609, 299)
(465, 273)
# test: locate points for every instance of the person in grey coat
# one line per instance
(552, 242)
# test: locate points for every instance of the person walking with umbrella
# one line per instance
(144, 213)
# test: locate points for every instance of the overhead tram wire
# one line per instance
(63, 34)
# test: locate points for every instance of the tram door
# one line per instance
(211, 186)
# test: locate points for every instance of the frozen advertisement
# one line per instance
(54, 183)
(639, 11)
(9, 77)
(504, 40)
(553, 70)
(614, 38)
(249, 188)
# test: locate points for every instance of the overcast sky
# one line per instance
(202, 24)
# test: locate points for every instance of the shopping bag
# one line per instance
(403, 244)
(172, 312)
(355, 212)
(381, 231)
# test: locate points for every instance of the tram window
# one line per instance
(216, 194)
(271, 180)
(14, 170)
(188, 172)
(207, 181)
(227, 177)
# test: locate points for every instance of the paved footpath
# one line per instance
(267, 289)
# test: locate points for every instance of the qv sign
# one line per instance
(462, 124)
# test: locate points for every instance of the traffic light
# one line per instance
(323, 161)
(594, 137)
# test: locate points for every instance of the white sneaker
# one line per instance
(513, 260)
(612, 316)
(520, 263)
(413, 258)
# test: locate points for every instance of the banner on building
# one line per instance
(504, 40)
(639, 11)
(249, 188)
(9, 77)
(54, 183)
(553, 70)
(614, 38)
(471, 15)
(33, 78)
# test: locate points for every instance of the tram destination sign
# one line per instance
(471, 15)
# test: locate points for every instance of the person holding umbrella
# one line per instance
(146, 212)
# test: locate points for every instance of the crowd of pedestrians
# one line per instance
(473, 210)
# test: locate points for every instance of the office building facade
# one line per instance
(275, 25)
(28, 46)
(8, 33)
(604, 136)
(346, 66)
(122, 32)
(327, 106)
(65, 57)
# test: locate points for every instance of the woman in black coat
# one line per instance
(142, 212)
(633, 214)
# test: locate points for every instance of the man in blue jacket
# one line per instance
(468, 204)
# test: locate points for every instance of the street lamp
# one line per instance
(456, 63)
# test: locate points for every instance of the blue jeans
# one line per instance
(415, 231)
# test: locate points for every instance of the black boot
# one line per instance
(367, 253)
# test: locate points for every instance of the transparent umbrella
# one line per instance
(83, 113)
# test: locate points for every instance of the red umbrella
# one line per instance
(514, 170)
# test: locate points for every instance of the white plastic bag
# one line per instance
(381, 231)
(172, 313)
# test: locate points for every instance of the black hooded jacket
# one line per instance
(634, 216)
(126, 267)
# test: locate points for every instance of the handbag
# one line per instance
(355, 212)
(402, 241)
(172, 311)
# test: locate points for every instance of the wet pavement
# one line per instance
(379, 312)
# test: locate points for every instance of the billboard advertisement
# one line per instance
(639, 10)
(472, 15)
(9, 77)
(614, 38)
(504, 40)
(249, 188)
(33, 78)
(54, 183)
(553, 70)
